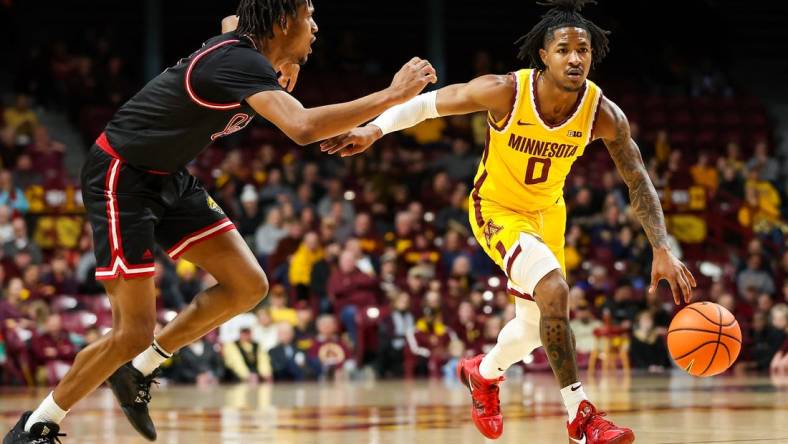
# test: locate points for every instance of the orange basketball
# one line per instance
(704, 339)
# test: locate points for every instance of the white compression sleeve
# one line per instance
(408, 114)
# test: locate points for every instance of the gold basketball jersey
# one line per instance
(526, 160)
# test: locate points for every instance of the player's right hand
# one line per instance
(353, 142)
(412, 78)
(666, 266)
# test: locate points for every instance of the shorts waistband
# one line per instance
(103, 143)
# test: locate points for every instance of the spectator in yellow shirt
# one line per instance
(759, 208)
(306, 256)
(246, 359)
(662, 147)
(704, 174)
(280, 312)
(22, 119)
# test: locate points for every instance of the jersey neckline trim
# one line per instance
(581, 98)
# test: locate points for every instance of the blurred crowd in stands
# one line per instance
(371, 259)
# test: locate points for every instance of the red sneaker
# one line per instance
(486, 410)
(589, 427)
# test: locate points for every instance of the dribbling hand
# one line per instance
(412, 78)
(668, 267)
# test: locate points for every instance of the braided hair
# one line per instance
(564, 13)
(257, 18)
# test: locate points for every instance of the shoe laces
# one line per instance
(49, 439)
(487, 399)
(598, 422)
(143, 387)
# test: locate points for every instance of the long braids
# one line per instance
(257, 18)
(564, 13)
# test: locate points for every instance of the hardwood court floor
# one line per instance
(662, 410)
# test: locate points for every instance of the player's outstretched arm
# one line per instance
(311, 125)
(613, 128)
(493, 93)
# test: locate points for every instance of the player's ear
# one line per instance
(543, 56)
(283, 24)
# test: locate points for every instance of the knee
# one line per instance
(251, 288)
(131, 342)
(552, 295)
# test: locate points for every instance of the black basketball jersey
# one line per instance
(181, 111)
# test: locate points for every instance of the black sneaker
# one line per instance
(40, 433)
(132, 389)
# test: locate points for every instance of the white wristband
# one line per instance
(408, 114)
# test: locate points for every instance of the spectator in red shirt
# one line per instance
(468, 328)
(10, 309)
(363, 261)
(31, 277)
(417, 285)
(402, 237)
(350, 291)
(421, 251)
(363, 230)
(492, 328)
(328, 355)
(47, 154)
(53, 351)
(432, 338)
(436, 195)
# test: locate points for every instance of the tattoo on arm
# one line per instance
(558, 341)
(642, 194)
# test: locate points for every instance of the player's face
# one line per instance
(301, 34)
(568, 57)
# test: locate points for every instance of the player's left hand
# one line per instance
(667, 267)
(351, 143)
(289, 76)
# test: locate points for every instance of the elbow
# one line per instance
(304, 135)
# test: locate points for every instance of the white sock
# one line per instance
(48, 411)
(517, 339)
(490, 368)
(573, 395)
(149, 360)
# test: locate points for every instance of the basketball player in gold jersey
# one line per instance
(540, 122)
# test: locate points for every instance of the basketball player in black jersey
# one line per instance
(138, 193)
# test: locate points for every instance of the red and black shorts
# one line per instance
(131, 209)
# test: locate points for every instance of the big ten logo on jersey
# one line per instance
(573, 133)
(214, 206)
(237, 123)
